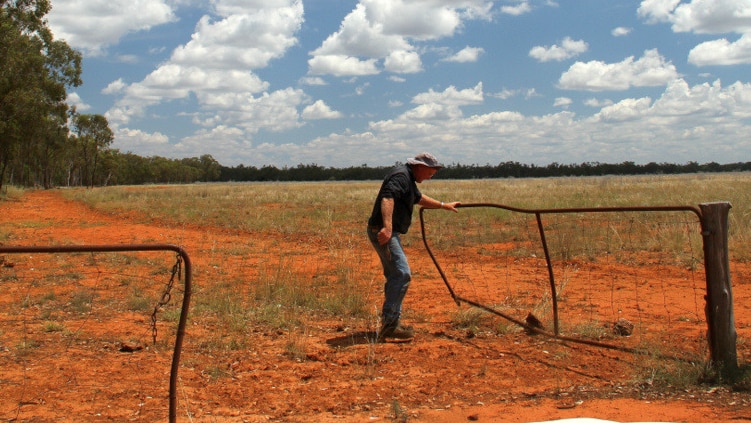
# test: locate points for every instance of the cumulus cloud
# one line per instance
(451, 96)
(520, 8)
(378, 35)
(466, 55)
(93, 25)
(722, 52)
(341, 65)
(684, 106)
(700, 16)
(569, 48)
(707, 17)
(631, 129)
(312, 80)
(401, 61)
(75, 100)
(224, 43)
(620, 31)
(593, 102)
(562, 102)
(216, 67)
(320, 110)
(650, 70)
(226, 141)
(128, 140)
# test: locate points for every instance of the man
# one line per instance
(391, 218)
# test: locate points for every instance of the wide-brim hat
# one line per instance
(425, 159)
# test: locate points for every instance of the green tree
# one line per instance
(94, 136)
(35, 72)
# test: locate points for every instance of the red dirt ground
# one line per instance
(442, 376)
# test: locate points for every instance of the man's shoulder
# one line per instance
(399, 172)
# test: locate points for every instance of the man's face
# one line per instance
(423, 173)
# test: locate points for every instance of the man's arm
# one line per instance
(387, 213)
(430, 203)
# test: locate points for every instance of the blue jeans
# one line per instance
(397, 273)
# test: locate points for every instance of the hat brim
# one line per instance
(420, 162)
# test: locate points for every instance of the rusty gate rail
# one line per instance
(538, 216)
(131, 248)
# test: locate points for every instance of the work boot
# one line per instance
(395, 332)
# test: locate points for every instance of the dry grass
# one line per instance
(341, 208)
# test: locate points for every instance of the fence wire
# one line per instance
(630, 279)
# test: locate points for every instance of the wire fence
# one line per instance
(622, 278)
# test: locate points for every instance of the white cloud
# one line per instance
(705, 100)
(722, 52)
(699, 16)
(562, 102)
(683, 107)
(657, 10)
(378, 34)
(531, 92)
(621, 31)
(569, 48)
(634, 129)
(216, 67)
(93, 25)
(650, 70)
(520, 8)
(341, 65)
(313, 80)
(504, 94)
(128, 140)
(707, 17)
(625, 110)
(451, 96)
(274, 111)
(224, 43)
(75, 100)
(466, 55)
(225, 141)
(593, 102)
(320, 110)
(360, 90)
(401, 61)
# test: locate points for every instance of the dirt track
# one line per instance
(443, 375)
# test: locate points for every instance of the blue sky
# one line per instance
(344, 83)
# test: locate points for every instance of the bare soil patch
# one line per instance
(444, 375)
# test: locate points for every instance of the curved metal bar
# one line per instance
(694, 209)
(127, 248)
(551, 277)
(435, 261)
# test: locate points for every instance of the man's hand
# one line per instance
(451, 206)
(384, 235)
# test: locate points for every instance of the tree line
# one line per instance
(44, 142)
(509, 169)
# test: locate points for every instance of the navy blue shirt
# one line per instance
(399, 184)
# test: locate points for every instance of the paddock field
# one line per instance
(286, 293)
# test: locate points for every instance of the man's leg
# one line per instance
(397, 282)
(398, 276)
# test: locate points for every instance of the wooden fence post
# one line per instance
(719, 299)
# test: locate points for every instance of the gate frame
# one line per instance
(713, 220)
(131, 248)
